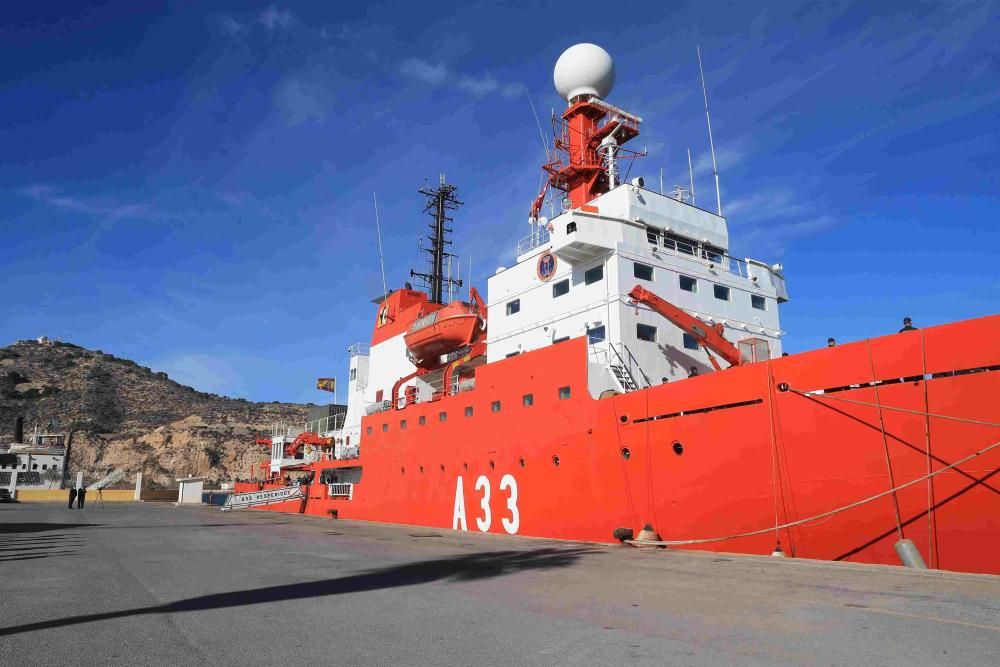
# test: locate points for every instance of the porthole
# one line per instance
(678, 448)
(520, 462)
(555, 460)
(626, 454)
(623, 419)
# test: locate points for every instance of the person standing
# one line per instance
(907, 325)
(81, 495)
(72, 497)
(831, 342)
(693, 372)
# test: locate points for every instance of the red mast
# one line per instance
(588, 137)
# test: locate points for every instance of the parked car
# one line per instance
(5, 496)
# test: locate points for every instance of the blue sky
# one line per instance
(190, 185)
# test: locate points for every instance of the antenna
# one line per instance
(381, 259)
(545, 145)
(711, 144)
(661, 180)
(691, 177)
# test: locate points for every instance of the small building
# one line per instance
(40, 463)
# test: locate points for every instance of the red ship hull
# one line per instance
(709, 457)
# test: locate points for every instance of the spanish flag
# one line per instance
(327, 384)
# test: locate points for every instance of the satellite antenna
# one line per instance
(711, 143)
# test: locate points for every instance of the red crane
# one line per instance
(708, 336)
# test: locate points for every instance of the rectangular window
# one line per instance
(385, 428)
(468, 410)
(690, 343)
(645, 332)
(653, 235)
(595, 334)
(528, 400)
(422, 420)
(564, 393)
(378, 396)
(442, 416)
(571, 227)
(680, 244)
(591, 276)
(712, 253)
(721, 292)
(758, 302)
(687, 283)
(45, 466)
(560, 288)
(354, 373)
(495, 406)
(513, 306)
(402, 424)
(642, 271)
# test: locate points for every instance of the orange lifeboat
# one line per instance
(455, 326)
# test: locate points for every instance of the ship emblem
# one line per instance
(546, 266)
(383, 316)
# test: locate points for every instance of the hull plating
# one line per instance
(712, 456)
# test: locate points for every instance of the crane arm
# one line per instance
(307, 438)
(709, 337)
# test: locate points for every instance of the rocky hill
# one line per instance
(126, 415)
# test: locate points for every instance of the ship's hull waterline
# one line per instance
(714, 456)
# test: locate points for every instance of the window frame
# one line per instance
(649, 327)
(680, 283)
(513, 307)
(726, 290)
(635, 271)
(689, 342)
(563, 282)
(763, 302)
(587, 275)
(590, 333)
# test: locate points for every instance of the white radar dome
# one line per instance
(584, 69)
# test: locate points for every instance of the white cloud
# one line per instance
(300, 101)
(49, 196)
(437, 74)
(273, 18)
(231, 26)
(726, 155)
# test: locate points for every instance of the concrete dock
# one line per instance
(149, 584)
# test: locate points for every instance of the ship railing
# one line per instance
(358, 349)
(327, 424)
(340, 490)
(539, 236)
(691, 249)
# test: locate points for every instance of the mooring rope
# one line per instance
(889, 407)
(669, 543)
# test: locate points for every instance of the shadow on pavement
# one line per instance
(456, 568)
(13, 528)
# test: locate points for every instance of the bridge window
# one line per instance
(513, 306)
(591, 276)
(653, 235)
(564, 393)
(642, 271)
(690, 343)
(712, 253)
(679, 243)
(758, 302)
(528, 400)
(645, 332)
(721, 292)
(595, 335)
(560, 288)
(687, 283)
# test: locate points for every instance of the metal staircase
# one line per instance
(623, 377)
(622, 365)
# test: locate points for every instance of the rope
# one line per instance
(667, 543)
(885, 442)
(889, 407)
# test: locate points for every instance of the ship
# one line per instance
(624, 381)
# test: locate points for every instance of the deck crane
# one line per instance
(708, 336)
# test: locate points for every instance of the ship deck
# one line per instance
(157, 584)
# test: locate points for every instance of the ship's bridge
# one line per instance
(573, 274)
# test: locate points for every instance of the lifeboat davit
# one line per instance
(455, 326)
